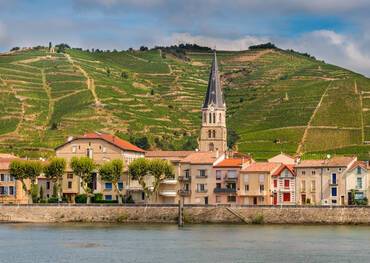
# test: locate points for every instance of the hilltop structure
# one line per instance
(213, 133)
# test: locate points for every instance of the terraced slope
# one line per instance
(277, 100)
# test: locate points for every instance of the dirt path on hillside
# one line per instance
(89, 81)
(47, 89)
(250, 57)
(301, 143)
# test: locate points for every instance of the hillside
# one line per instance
(277, 100)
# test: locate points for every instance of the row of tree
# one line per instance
(140, 169)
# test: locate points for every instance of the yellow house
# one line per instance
(101, 148)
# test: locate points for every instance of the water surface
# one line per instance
(196, 243)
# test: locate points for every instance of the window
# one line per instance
(334, 191)
(262, 187)
(303, 186)
(218, 185)
(359, 170)
(220, 117)
(201, 188)
(334, 178)
(286, 197)
(2, 177)
(313, 172)
(142, 196)
(275, 183)
(89, 153)
(2, 190)
(214, 117)
(313, 186)
(187, 173)
(11, 178)
(246, 187)
(303, 172)
(231, 198)
(69, 185)
(209, 133)
(262, 178)
(218, 174)
(202, 173)
(69, 175)
(218, 199)
(211, 147)
(359, 182)
(11, 190)
(108, 197)
(286, 183)
(214, 133)
(204, 117)
(120, 186)
(74, 149)
(47, 185)
(333, 201)
(210, 117)
(108, 186)
(246, 178)
(231, 174)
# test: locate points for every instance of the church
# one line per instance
(213, 132)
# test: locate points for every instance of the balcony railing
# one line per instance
(183, 192)
(224, 190)
(183, 178)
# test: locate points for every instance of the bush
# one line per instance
(257, 219)
(53, 200)
(97, 198)
(81, 199)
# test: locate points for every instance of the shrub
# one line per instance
(257, 219)
(81, 199)
(53, 200)
(97, 198)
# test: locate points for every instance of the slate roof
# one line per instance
(214, 93)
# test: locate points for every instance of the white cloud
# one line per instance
(220, 43)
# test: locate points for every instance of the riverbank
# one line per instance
(192, 214)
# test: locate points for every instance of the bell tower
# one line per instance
(213, 133)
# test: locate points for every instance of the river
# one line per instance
(193, 243)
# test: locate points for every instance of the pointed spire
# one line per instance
(214, 93)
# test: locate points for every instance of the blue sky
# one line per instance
(333, 30)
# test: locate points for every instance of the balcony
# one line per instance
(169, 181)
(231, 178)
(183, 192)
(183, 178)
(224, 190)
(168, 193)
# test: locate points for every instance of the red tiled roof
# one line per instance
(261, 167)
(200, 158)
(333, 162)
(230, 162)
(159, 154)
(120, 143)
(362, 164)
(282, 167)
(5, 161)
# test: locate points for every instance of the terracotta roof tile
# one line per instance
(362, 164)
(261, 167)
(333, 162)
(200, 158)
(120, 143)
(282, 167)
(231, 162)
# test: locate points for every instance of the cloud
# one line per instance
(339, 49)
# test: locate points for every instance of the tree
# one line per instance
(108, 71)
(54, 171)
(160, 170)
(124, 75)
(138, 170)
(112, 171)
(83, 167)
(50, 46)
(41, 193)
(26, 170)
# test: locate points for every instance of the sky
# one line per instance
(336, 31)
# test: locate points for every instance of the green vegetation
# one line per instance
(83, 167)
(112, 171)
(153, 98)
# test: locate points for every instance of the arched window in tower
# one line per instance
(214, 133)
(219, 118)
(214, 117)
(204, 117)
(210, 117)
(209, 134)
(211, 147)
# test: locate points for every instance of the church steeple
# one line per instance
(214, 95)
(213, 132)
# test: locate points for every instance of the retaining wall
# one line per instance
(192, 214)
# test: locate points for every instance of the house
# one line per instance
(197, 181)
(255, 183)
(169, 188)
(227, 173)
(282, 158)
(11, 190)
(357, 183)
(321, 182)
(101, 148)
(283, 185)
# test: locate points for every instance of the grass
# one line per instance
(270, 100)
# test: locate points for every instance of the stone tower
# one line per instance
(213, 133)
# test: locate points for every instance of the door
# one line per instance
(206, 200)
(275, 198)
(254, 200)
(303, 199)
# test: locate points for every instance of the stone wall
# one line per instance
(141, 214)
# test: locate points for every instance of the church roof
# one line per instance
(214, 93)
